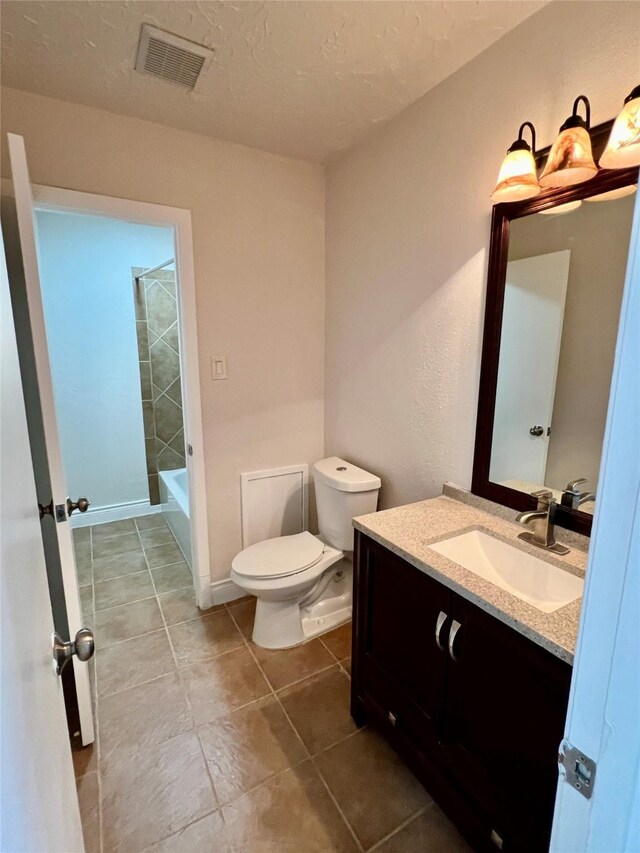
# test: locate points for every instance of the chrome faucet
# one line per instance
(543, 534)
(573, 497)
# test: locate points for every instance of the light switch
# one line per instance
(219, 367)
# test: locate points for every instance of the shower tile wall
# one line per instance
(159, 358)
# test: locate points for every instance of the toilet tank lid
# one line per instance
(344, 476)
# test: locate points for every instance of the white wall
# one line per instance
(85, 266)
(408, 216)
(258, 231)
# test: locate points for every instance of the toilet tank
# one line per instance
(343, 491)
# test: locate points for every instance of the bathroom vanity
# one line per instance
(467, 682)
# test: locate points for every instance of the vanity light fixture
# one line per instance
(621, 192)
(623, 147)
(570, 160)
(559, 209)
(517, 178)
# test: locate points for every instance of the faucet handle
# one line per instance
(544, 497)
(571, 487)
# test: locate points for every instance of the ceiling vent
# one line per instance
(171, 57)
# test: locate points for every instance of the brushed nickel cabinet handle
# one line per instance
(442, 618)
(455, 627)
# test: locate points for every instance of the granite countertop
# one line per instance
(409, 530)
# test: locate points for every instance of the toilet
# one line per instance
(303, 583)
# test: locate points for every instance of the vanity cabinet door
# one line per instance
(504, 720)
(399, 666)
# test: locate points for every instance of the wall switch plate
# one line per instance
(219, 367)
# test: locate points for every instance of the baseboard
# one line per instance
(116, 512)
(224, 591)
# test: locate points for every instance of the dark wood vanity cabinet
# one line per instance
(478, 713)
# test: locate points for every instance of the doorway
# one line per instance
(117, 281)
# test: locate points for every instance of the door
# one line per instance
(504, 715)
(39, 802)
(403, 659)
(534, 298)
(51, 458)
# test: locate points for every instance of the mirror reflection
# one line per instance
(565, 276)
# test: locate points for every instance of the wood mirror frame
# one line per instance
(604, 181)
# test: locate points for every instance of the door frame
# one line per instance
(147, 213)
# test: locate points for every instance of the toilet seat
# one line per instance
(279, 557)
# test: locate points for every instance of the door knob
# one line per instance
(536, 430)
(83, 646)
(82, 505)
(46, 510)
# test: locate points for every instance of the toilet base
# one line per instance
(283, 624)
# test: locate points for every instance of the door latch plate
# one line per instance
(577, 768)
(61, 513)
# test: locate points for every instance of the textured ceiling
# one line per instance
(305, 78)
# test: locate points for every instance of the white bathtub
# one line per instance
(174, 496)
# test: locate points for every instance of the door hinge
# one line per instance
(577, 768)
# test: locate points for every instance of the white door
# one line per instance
(603, 719)
(39, 803)
(26, 227)
(533, 315)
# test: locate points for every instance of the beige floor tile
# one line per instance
(249, 746)
(86, 601)
(244, 615)
(123, 590)
(372, 786)
(156, 536)
(81, 534)
(154, 793)
(163, 555)
(85, 574)
(112, 528)
(150, 522)
(205, 638)
(180, 606)
(85, 760)
(346, 664)
(430, 832)
(338, 641)
(284, 667)
(133, 662)
(207, 835)
(82, 550)
(126, 621)
(175, 576)
(88, 800)
(119, 565)
(144, 716)
(291, 813)
(116, 545)
(319, 709)
(222, 684)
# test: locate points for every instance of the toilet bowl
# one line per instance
(303, 583)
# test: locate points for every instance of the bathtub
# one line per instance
(174, 496)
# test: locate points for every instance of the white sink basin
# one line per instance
(535, 581)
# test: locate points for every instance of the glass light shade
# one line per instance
(560, 209)
(517, 177)
(623, 147)
(621, 192)
(570, 160)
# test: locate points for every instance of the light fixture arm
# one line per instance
(587, 107)
(533, 135)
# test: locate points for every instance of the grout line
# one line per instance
(402, 826)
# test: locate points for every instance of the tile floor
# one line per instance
(206, 742)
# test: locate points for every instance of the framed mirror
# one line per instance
(557, 265)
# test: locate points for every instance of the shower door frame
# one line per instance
(178, 218)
